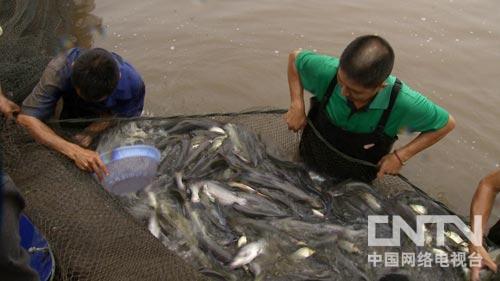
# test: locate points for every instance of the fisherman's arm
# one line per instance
(8, 108)
(420, 114)
(85, 138)
(40, 106)
(481, 205)
(393, 162)
(483, 199)
(84, 159)
(425, 140)
(296, 115)
(132, 108)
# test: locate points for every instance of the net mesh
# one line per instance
(91, 235)
(26, 42)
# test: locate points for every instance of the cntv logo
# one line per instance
(418, 236)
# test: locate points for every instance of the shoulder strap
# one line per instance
(387, 112)
(329, 91)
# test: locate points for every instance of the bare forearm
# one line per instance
(484, 198)
(425, 140)
(85, 137)
(296, 116)
(97, 127)
(296, 89)
(46, 136)
(481, 205)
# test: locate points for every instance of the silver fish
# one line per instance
(196, 141)
(248, 253)
(318, 213)
(316, 177)
(239, 149)
(418, 209)
(241, 186)
(152, 199)
(242, 241)
(303, 253)
(217, 130)
(371, 201)
(438, 251)
(153, 226)
(348, 246)
(454, 237)
(215, 191)
(205, 240)
(272, 182)
(464, 247)
(136, 132)
(216, 143)
(178, 181)
(256, 205)
(195, 191)
(305, 229)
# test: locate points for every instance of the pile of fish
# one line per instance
(235, 211)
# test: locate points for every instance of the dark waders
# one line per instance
(368, 147)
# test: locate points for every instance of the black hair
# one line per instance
(95, 74)
(368, 60)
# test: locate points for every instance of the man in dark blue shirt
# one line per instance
(91, 84)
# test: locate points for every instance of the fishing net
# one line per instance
(91, 233)
(92, 239)
(190, 144)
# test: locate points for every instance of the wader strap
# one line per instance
(329, 91)
(387, 112)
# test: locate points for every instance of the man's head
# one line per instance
(364, 66)
(95, 75)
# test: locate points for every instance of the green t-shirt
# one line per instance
(411, 111)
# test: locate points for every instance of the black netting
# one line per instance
(91, 233)
(347, 204)
(26, 44)
(91, 237)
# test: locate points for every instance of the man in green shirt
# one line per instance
(359, 108)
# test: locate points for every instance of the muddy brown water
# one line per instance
(231, 55)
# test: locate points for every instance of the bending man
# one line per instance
(359, 108)
(91, 84)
